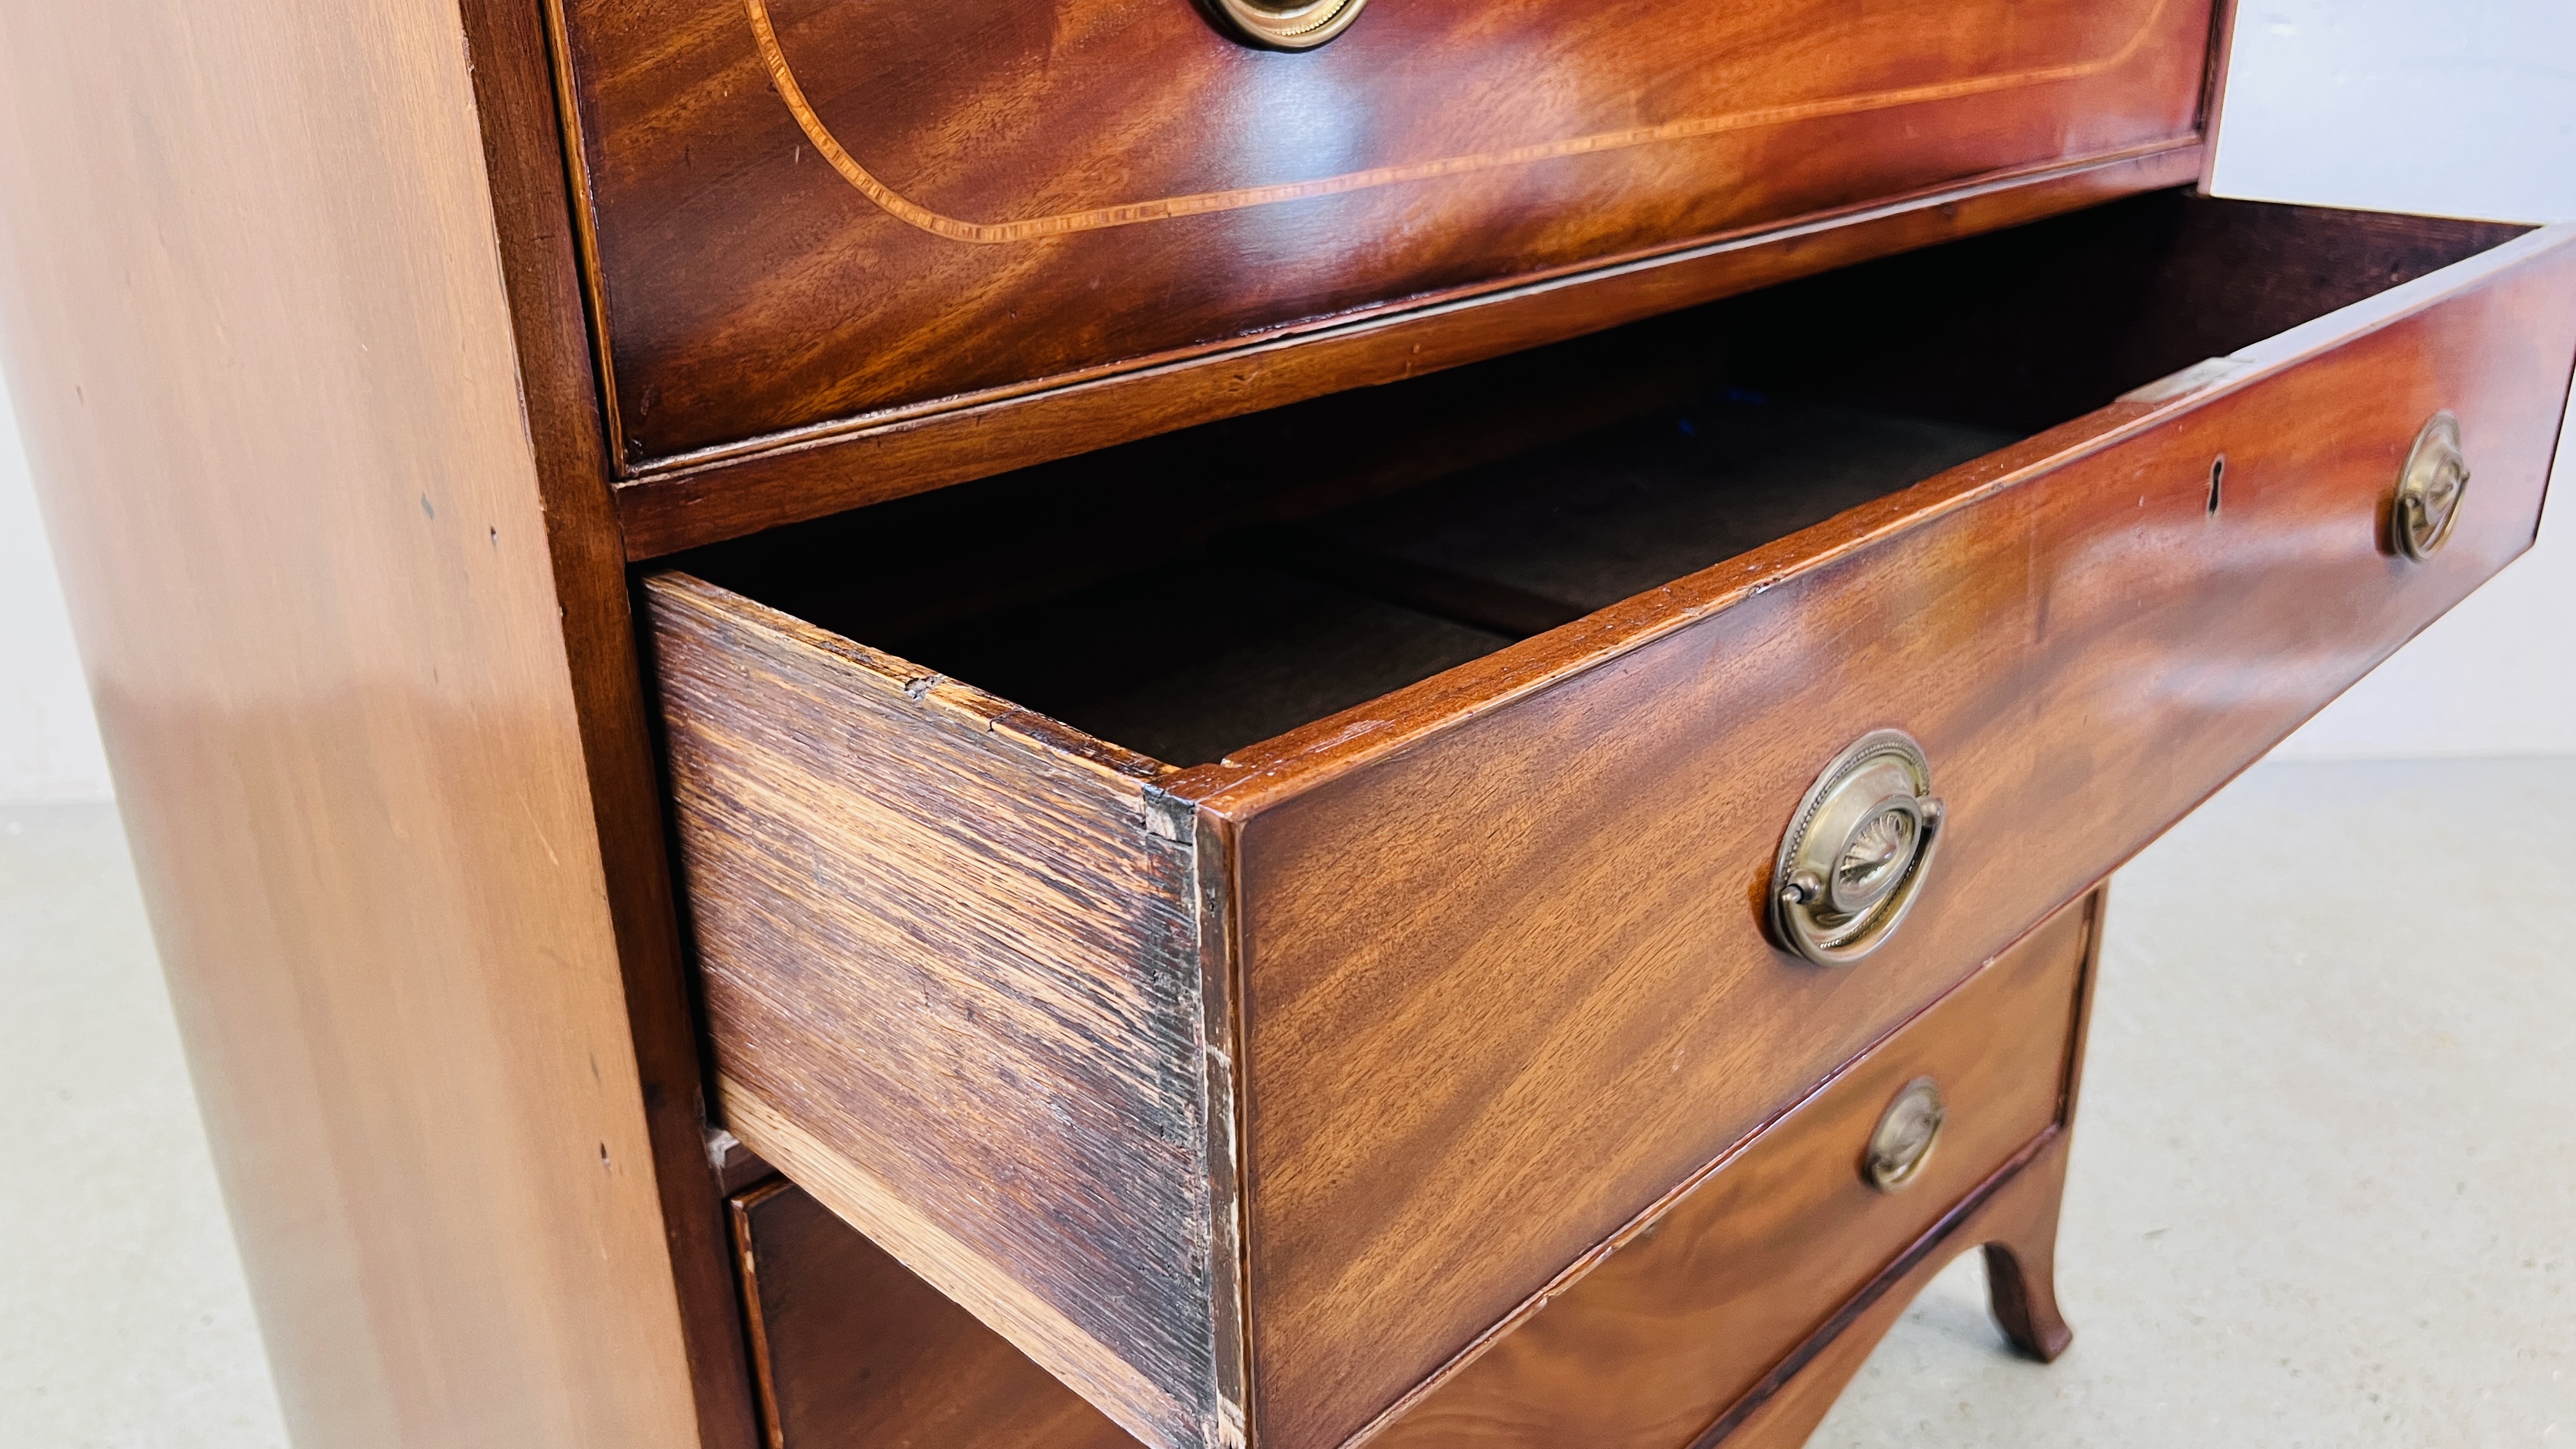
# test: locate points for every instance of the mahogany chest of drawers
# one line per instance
(1092, 722)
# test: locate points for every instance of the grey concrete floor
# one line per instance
(123, 1317)
(2324, 1186)
(2324, 1182)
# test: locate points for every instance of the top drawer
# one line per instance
(812, 213)
(1411, 937)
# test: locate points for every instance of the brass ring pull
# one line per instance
(1286, 24)
(2430, 489)
(1853, 860)
(1904, 1137)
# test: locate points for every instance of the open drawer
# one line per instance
(1418, 932)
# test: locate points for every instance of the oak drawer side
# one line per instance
(952, 986)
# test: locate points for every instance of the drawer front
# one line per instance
(1505, 972)
(851, 1351)
(808, 212)
(1685, 1313)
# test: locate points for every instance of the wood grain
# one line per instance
(967, 1274)
(1501, 974)
(947, 950)
(262, 350)
(1013, 194)
(2015, 1216)
(1732, 116)
(1681, 1316)
(880, 458)
(1504, 978)
(856, 1351)
(523, 147)
(2213, 105)
(1713, 1301)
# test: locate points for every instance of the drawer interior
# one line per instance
(1192, 594)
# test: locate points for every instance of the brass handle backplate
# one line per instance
(1906, 1132)
(1286, 24)
(2430, 489)
(1853, 860)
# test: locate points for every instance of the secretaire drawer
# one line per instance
(813, 216)
(1426, 924)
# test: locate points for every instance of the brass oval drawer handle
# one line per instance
(1853, 860)
(1287, 24)
(2430, 489)
(1906, 1132)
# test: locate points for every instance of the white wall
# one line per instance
(48, 740)
(2400, 105)
(2455, 109)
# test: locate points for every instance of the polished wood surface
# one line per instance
(2213, 106)
(954, 980)
(856, 1352)
(2014, 1219)
(1708, 1308)
(1516, 909)
(665, 512)
(263, 355)
(879, 207)
(1678, 1320)
(1513, 495)
(558, 393)
(1497, 935)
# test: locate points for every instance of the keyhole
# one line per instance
(2217, 483)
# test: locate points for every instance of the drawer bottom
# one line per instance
(1733, 1312)
(851, 1351)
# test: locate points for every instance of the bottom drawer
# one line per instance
(1677, 1321)
(1675, 1324)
